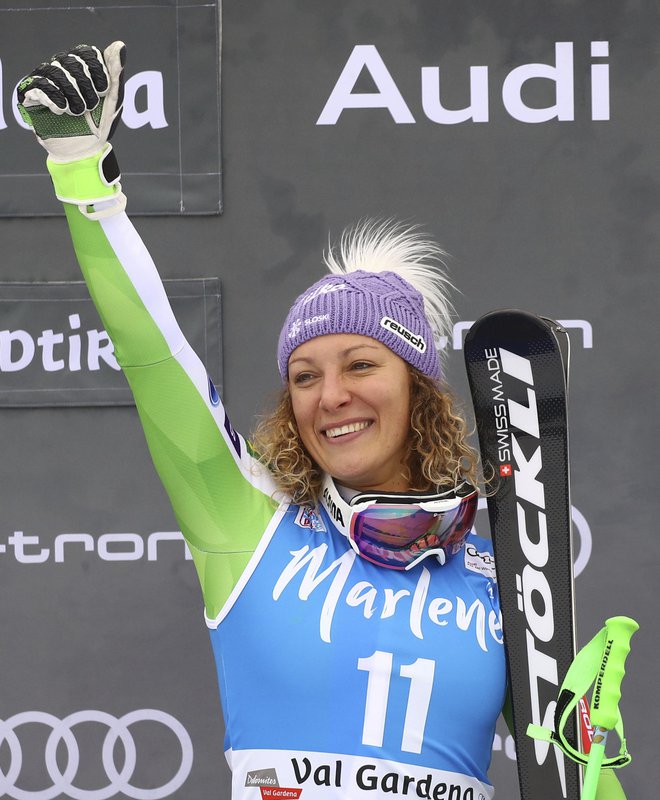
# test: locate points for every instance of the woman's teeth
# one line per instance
(332, 433)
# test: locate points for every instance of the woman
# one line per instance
(353, 615)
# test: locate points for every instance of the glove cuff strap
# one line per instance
(88, 181)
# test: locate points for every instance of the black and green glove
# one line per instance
(73, 103)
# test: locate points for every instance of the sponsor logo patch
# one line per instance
(294, 330)
(267, 782)
(214, 397)
(331, 507)
(326, 288)
(297, 324)
(262, 777)
(413, 339)
(308, 518)
(483, 563)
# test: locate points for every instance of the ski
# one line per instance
(517, 365)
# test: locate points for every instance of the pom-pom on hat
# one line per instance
(387, 282)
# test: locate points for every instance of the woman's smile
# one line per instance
(342, 430)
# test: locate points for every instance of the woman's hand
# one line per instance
(73, 102)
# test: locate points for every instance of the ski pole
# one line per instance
(606, 696)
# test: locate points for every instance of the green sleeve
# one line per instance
(221, 496)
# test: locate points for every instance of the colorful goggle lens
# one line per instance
(396, 536)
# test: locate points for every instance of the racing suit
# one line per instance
(338, 678)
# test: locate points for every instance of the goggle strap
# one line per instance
(413, 497)
(581, 674)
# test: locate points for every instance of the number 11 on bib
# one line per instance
(517, 365)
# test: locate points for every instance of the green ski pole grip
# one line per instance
(607, 690)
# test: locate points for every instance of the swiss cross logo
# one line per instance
(505, 470)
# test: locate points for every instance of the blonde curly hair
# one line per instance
(439, 454)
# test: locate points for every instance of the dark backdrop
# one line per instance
(559, 216)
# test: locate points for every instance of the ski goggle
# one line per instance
(397, 531)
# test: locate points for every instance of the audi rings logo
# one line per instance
(63, 731)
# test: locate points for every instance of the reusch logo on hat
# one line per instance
(403, 333)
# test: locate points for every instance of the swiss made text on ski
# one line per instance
(517, 369)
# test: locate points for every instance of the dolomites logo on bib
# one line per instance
(268, 783)
(262, 777)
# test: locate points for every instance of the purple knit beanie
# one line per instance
(381, 305)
